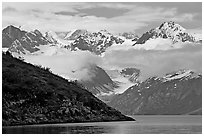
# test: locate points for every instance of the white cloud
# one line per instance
(151, 62)
(114, 5)
(42, 17)
(184, 17)
(151, 44)
(70, 65)
(156, 62)
(42, 6)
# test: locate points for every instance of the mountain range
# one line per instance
(22, 42)
(176, 93)
(96, 42)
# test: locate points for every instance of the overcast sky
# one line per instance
(115, 17)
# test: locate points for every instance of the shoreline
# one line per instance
(24, 125)
(80, 122)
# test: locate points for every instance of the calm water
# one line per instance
(144, 124)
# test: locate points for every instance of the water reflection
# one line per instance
(58, 129)
(143, 125)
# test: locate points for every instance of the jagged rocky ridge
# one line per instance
(176, 93)
(96, 42)
(21, 41)
(33, 95)
(168, 30)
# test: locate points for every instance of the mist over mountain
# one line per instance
(168, 35)
(100, 83)
(108, 64)
(102, 67)
(57, 45)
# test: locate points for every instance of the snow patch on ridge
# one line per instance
(179, 74)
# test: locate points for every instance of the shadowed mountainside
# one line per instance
(100, 82)
(33, 95)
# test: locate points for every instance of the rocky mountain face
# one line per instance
(176, 93)
(28, 42)
(131, 73)
(168, 30)
(96, 42)
(10, 34)
(33, 95)
(99, 83)
(21, 41)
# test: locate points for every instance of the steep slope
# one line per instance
(99, 83)
(168, 30)
(176, 93)
(33, 95)
(21, 41)
(10, 34)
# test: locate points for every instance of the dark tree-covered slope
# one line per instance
(33, 95)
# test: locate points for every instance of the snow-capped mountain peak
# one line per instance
(20, 41)
(96, 42)
(171, 26)
(168, 30)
